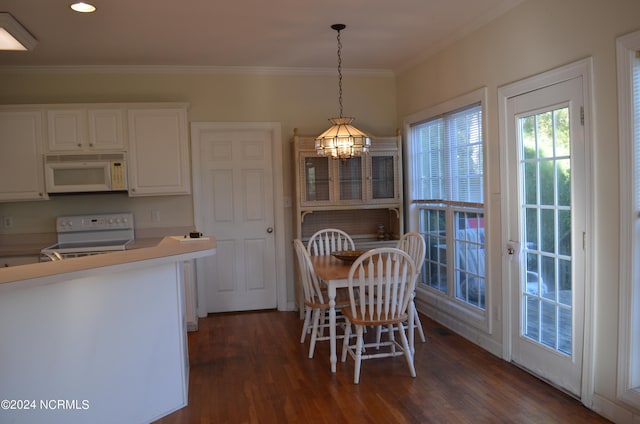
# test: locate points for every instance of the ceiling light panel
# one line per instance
(14, 36)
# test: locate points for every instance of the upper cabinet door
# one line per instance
(21, 159)
(85, 130)
(106, 130)
(315, 176)
(384, 184)
(67, 130)
(351, 187)
(158, 152)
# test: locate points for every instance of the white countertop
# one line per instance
(50, 272)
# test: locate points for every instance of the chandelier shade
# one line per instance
(342, 140)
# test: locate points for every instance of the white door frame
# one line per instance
(582, 68)
(278, 194)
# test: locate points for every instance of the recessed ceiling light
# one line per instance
(83, 7)
(14, 36)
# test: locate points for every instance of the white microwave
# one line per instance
(85, 173)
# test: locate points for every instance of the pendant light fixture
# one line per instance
(342, 140)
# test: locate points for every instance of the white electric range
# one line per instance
(83, 235)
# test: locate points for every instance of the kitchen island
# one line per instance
(97, 339)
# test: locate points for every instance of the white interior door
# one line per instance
(234, 201)
(546, 220)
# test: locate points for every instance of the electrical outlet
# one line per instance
(7, 222)
(155, 216)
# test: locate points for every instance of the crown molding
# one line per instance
(172, 69)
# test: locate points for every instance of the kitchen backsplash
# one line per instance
(156, 212)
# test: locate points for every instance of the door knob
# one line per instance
(269, 230)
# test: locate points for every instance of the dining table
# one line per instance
(334, 273)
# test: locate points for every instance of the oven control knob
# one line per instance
(111, 220)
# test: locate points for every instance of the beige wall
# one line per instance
(536, 36)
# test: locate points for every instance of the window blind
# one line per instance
(448, 156)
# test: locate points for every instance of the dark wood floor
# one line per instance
(251, 368)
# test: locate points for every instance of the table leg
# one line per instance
(332, 325)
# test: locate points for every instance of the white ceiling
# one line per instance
(380, 34)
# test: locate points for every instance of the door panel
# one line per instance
(546, 159)
(235, 204)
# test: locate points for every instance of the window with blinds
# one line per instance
(447, 180)
(628, 50)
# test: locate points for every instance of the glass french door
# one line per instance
(547, 221)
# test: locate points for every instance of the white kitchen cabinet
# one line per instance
(158, 151)
(85, 129)
(21, 156)
(357, 195)
(373, 178)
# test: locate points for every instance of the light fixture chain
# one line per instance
(340, 73)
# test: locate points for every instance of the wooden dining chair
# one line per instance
(413, 243)
(316, 300)
(329, 240)
(380, 286)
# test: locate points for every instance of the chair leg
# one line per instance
(322, 321)
(305, 326)
(314, 332)
(417, 323)
(359, 347)
(407, 351)
(378, 336)
(392, 338)
(345, 341)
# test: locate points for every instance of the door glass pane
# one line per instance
(350, 175)
(531, 183)
(544, 135)
(547, 230)
(316, 179)
(382, 181)
(545, 172)
(563, 177)
(531, 236)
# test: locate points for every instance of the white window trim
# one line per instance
(629, 308)
(444, 304)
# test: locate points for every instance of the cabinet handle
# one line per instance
(79, 145)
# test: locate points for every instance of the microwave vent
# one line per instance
(94, 157)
